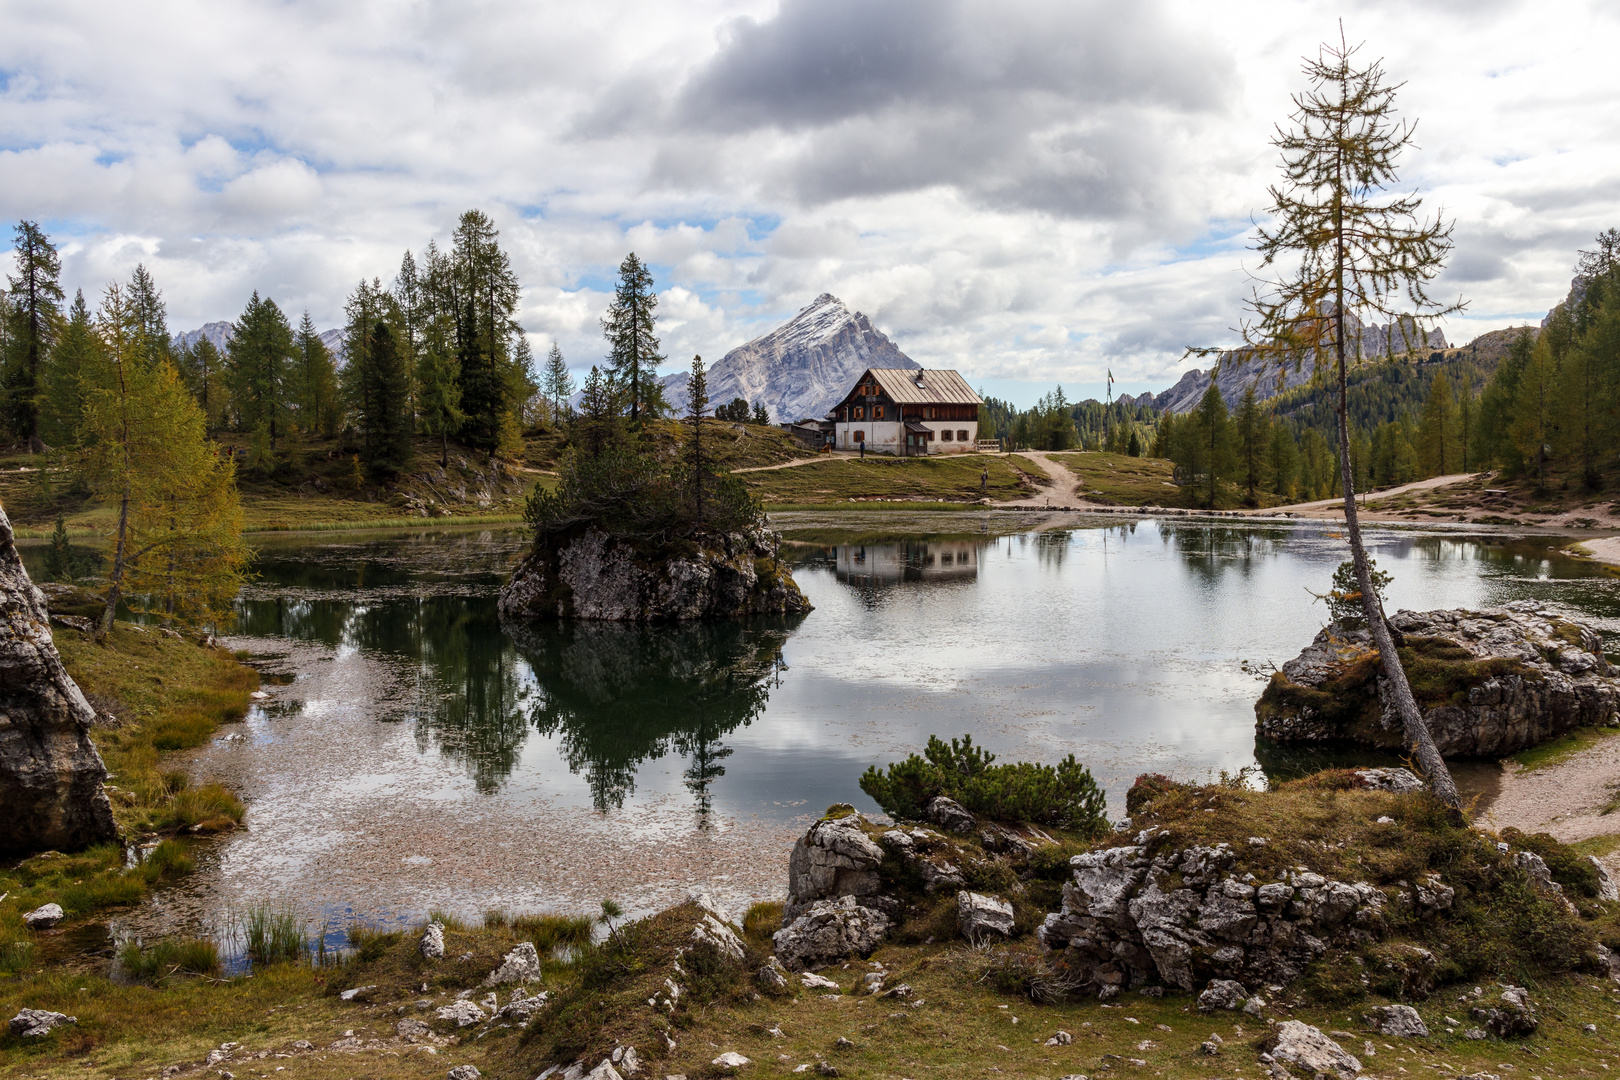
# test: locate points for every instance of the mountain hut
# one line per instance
(907, 411)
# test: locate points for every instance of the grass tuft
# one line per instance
(272, 934)
(168, 958)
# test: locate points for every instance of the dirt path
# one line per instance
(796, 461)
(1061, 486)
(1565, 799)
(1323, 507)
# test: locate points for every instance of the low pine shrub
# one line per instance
(1063, 796)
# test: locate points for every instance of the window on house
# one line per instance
(930, 436)
(877, 412)
(860, 413)
(961, 436)
(946, 435)
(945, 560)
(860, 436)
(928, 414)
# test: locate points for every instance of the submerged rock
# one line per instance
(587, 574)
(51, 777)
(1490, 682)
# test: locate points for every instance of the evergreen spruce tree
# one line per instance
(521, 386)
(599, 422)
(761, 416)
(1209, 437)
(631, 331)
(1252, 435)
(35, 303)
(317, 387)
(59, 561)
(1359, 252)
(76, 359)
(697, 401)
(258, 363)
(151, 317)
(1496, 406)
(558, 383)
(483, 297)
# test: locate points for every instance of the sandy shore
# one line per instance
(1604, 549)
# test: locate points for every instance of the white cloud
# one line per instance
(1030, 190)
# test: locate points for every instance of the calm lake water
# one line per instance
(423, 755)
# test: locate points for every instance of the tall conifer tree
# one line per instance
(630, 327)
(35, 301)
(258, 363)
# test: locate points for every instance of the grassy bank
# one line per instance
(153, 694)
(946, 478)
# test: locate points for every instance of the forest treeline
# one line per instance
(1548, 413)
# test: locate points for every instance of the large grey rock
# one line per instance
(833, 858)
(464, 1013)
(1515, 1017)
(1313, 1052)
(979, 916)
(1547, 675)
(1398, 1022)
(1222, 994)
(949, 815)
(43, 917)
(32, 1023)
(464, 1072)
(1607, 890)
(51, 777)
(587, 574)
(432, 943)
(802, 368)
(1401, 781)
(522, 964)
(1182, 917)
(829, 931)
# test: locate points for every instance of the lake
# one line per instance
(424, 756)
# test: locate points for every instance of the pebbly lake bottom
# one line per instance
(422, 756)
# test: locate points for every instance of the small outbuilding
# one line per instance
(909, 412)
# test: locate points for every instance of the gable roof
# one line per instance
(938, 387)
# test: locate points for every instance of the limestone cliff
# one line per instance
(51, 793)
(1490, 682)
(588, 574)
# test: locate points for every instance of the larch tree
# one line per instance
(630, 327)
(1349, 252)
(35, 301)
(1439, 430)
(1531, 427)
(145, 453)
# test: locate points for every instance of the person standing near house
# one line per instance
(863, 449)
(984, 479)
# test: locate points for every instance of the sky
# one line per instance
(1031, 193)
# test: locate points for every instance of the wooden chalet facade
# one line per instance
(909, 412)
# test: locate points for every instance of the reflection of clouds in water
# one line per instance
(426, 757)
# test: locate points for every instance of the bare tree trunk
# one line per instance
(1416, 732)
(116, 591)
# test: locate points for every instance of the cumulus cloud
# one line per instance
(1029, 190)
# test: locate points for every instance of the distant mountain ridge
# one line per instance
(219, 334)
(1239, 370)
(802, 368)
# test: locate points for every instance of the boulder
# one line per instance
(432, 943)
(1313, 1052)
(51, 777)
(43, 917)
(949, 815)
(1516, 1016)
(604, 1071)
(522, 964)
(1401, 781)
(1511, 677)
(835, 858)
(464, 1072)
(1398, 1022)
(1183, 916)
(464, 1013)
(1607, 890)
(520, 1009)
(730, 1060)
(772, 976)
(829, 931)
(1222, 994)
(585, 573)
(979, 916)
(32, 1023)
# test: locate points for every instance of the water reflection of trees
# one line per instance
(617, 696)
(1210, 550)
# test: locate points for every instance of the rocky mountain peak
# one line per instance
(803, 367)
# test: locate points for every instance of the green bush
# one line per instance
(1062, 796)
(1569, 867)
